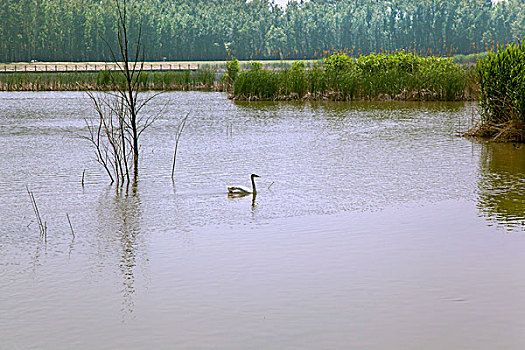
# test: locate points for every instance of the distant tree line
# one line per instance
(77, 30)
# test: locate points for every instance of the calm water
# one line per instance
(375, 227)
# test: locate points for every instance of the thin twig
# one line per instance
(41, 225)
(180, 128)
(70, 226)
(271, 184)
(83, 173)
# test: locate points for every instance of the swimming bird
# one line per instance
(243, 189)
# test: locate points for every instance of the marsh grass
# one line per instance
(47, 81)
(399, 76)
(470, 59)
(501, 76)
(258, 83)
(203, 79)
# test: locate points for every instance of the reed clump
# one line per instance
(258, 83)
(106, 80)
(397, 76)
(32, 81)
(501, 76)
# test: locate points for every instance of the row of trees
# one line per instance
(76, 30)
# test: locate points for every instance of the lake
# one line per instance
(375, 227)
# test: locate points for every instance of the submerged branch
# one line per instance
(70, 226)
(41, 225)
(180, 128)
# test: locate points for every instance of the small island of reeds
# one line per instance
(383, 76)
(501, 76)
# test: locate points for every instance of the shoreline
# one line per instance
(175, 80)
(333, 96)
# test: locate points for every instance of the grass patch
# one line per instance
(399, 76)
(203, 79)
(501, 77)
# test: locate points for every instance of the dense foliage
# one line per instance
(501, 76)
(75, 30)
(401, 76)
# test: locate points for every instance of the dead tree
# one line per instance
(115, 134)
(110, 137)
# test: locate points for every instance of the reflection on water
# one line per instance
(119, 216)
(365, 231)
(502, 184)
(253, 196)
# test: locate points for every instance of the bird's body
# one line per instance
(239, 189)
(244, 189)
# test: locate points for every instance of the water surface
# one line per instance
(375, 227)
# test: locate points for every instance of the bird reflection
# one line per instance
(241, 195)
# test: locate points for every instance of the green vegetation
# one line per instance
(233, 68)
(65, 30)
(262, 83)
(471, 59)
(47, 81)
(399, 76)
(501, 78)
(204, 79)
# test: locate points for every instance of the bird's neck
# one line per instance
(253, 185)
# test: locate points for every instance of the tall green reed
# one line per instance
(501, 76)
(107, 80)
(376, 76)
(258, 83)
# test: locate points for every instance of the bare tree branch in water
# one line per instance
(41, 225)
(70, 225)
(115, 135)
(109, 136)
(180, 128)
